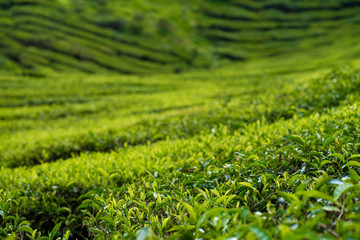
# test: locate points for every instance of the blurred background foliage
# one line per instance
(139, 36)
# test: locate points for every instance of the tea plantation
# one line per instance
(199, 119)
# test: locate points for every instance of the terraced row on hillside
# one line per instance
(110, 106)
(248, 29)
(42, 34)
(128, 38)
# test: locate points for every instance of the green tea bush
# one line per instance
(270, 174)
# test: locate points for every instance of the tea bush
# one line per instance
(264, 146)
(273, 164)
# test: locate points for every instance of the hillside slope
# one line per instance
(164, 36)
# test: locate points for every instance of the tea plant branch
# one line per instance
(327, 228)
(257, 204)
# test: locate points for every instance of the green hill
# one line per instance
(177, 119)
(164, 36)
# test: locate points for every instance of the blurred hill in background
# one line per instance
(162, 36)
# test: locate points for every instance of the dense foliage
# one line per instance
(273, 163)
(265, 148)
